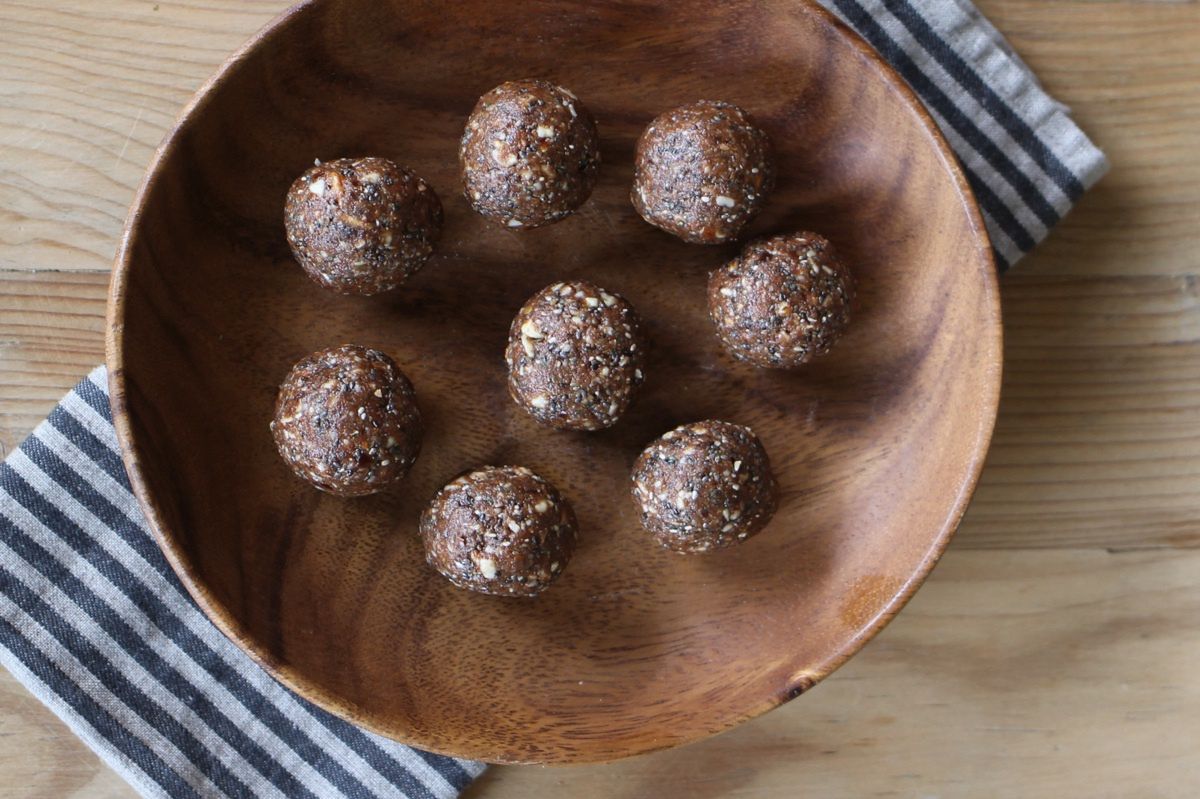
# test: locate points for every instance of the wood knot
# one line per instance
(800, 684)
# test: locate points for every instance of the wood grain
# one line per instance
(1098, 441)
(1134, 93)
(51, 332)
(1014, 674)
(84, 109)
(1129, 74)
(1010, 673)
(85, 103)
(1100, 373)
(876, 448)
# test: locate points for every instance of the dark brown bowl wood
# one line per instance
(877, 447)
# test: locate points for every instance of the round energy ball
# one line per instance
(346, 420)
(702, 172)
(704, 486)
(575, 356)
(529, 155)
(784, 301)
(501, 530)
(361, 225)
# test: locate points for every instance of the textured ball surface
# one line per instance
(705, 486)
(500, 530)
(361, 225)
(784, 301)
(702, 172)
(575, 356)
(529, 155)
(346, 420)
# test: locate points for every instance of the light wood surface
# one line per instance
(1061, 621)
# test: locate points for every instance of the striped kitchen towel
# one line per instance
(94, 622)
(1026, 161)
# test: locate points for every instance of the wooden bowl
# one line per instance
(877, 447)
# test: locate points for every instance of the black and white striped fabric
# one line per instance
(94, 622)
(1026, 161)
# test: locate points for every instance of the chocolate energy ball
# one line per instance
(702, 172)
(361, 225)
(529, 155)
(346, 420)
(704, 486)
(575, 356)
(782, 302)
(501, 530)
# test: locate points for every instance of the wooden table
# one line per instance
(1055, 651)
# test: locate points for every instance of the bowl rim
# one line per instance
(297, 682)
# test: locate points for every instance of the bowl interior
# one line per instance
(877, 447)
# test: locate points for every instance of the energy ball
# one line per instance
(704, 486)
(346, 420)
(784, 301)
(575, 356)
(361, 225)
(702, 172)
(529, 155)
(501, 530)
